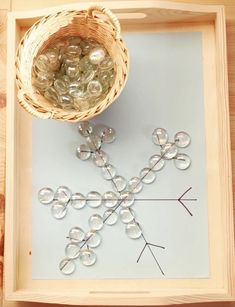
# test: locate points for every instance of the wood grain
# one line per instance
(23, 4)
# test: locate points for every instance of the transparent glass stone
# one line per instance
(110, 217)
(127, 199)
(108, 171)
(87, 257)
(100, 158)
(133, 230)
(182, 139)
(96, 222)
(107, 63)
(83, 152)
(76, 234)
(63, 194)
(77, 91)
(126, 215)
(85, 65)
(119, 183)
(94, 199)
(147, 175)
(160, 136)
(46, 196)
(58, 210)
(182, 161)
(72, 250)
(156, 163)
(81, 105)
(108, 135)
(67, 266)
(43, 80)
(73, 50)
(60, 86)
(88, 75)
(94, 142)
(51, 95)
(134, 185)
(73, 72)
(94, 88)
(97, 55)
(42, 63)
(109, 199)
(99, 128)
(85, 128)
(169, 151)
(93, 239)
(78, 201)
(65, 101)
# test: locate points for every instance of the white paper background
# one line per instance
(164, 89)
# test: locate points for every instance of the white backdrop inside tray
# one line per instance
(164, 89)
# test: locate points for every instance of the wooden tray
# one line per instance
(144, 16)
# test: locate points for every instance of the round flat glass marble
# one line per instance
(72, 250)
(147, 175)
(85, 128)
(110, 217)
(78, 201)
(182, 161)
(94, 88)
(93, 239)
(63, 194)
(46, 196)
(83, 152)
(67, 266)
(134, 185)
(126, 215)
(94, 199)
(119, 183)
(109, 199)
(182, 139)
(169, 151)
(87, 257)
(100, 158)
(156, 163)
(76, 234)
(96, 222)
(108, 135)
(58, 210)
(160, 136)
(108, 171)
(133, 230)
(94, 142)
(127, 199)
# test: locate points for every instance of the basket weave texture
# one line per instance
(98, 23)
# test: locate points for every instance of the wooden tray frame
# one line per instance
(134, 16)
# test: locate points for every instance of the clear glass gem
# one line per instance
(60, 86)
(147, 175)
(160, 136)
(78, 201)
(182, 139)
(58, 210)
(109, 199)
(85, 128)
(94, 142)
(108, 171)
(94, 88)
(67, 266)
(94, 199)
(93, 239)
(76, 234)
(127, 199)
(169, 151)
(108, 135)
(156, 163)
(110, 217)
(133, 230)
(46, 196)
(72, 250)
(63, 194)
(126, 215)
(87, 257)
(119, 183)
(96, 222)
(83, 152)
(134, 185)
(100, 158)
(107, 63)
(182, 161)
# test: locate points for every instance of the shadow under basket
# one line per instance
(98, 23)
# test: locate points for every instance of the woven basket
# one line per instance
(96, 22)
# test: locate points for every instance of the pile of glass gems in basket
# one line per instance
(74, 73)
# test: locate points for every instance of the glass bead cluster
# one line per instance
(118, 203)
(74, 73)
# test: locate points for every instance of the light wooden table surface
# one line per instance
(8, 5)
